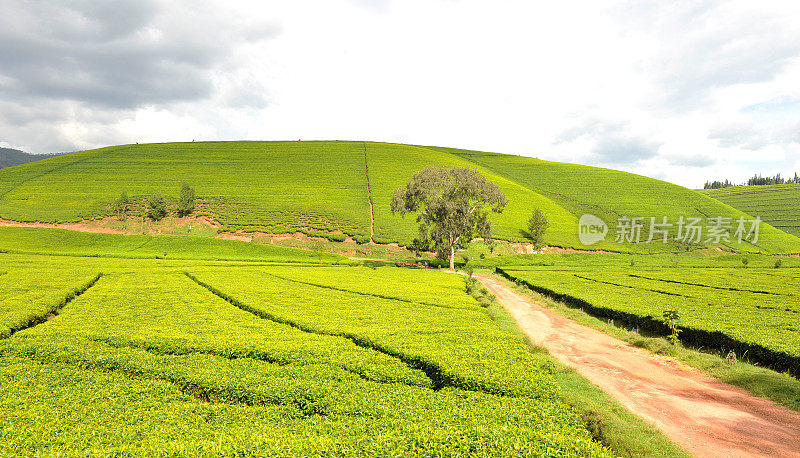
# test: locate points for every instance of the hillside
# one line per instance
(777, 204)
(281, 187)
(10, 157)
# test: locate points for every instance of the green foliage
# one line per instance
(475, 289)
(121, 205)
(470, 284)
(285, 187)
(186, 200)
(718, 309)
(318, 412)
(29, 296)
(278, 187)
(278, 360)
(481, 361)
(778, 205)
(450, 204)
(672, 318)
(621, 261)
(391, 165)
(610, 194)
(156, 207)
(336, 237)
(64, 242)
(537, 226)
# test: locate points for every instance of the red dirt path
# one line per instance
(701, 414)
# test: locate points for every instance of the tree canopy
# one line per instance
(186, 200)
(121, 205)
(450, 205)
(537, 226)
(156, 207)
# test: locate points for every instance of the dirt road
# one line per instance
(703, 415)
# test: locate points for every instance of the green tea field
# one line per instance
(286, 316)
(779, 204)
(378, 228)
(326, 188)
(751, 311)
(129, 356)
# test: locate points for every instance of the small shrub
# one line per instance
(672, 320)
(156, 207)
(337, 237)
(778, 263)
(121, 205)
(470, 284)
(745, 262)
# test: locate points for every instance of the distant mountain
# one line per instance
(10, 157)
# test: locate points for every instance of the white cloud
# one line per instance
(685, 91)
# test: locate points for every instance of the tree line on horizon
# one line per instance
(756, 180)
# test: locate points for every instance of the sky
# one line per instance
(684, 91)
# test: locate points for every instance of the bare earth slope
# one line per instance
(703, 415)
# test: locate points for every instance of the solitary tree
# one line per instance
(156, 207)
(186, 201)
(450, 204)
(121, 205)
(537, 226)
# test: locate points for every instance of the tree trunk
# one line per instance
(452, 257)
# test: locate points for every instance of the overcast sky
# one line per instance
(683, 90)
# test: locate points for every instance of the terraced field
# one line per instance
(322, 187)
(754, 312)
(779, 204)
(214, 358)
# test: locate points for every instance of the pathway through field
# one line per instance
(703, 415)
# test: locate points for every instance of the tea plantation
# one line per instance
(723, 306)
(779, 204)
(325, 187)
(118, 356)
(170, 345)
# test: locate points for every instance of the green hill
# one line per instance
(777, 204)
(327, 186)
